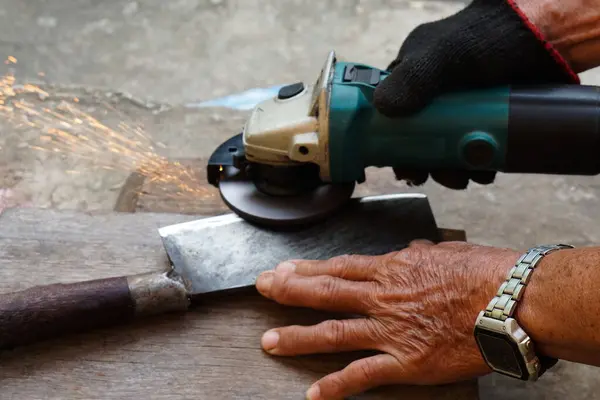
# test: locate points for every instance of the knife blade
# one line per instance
(211, 255)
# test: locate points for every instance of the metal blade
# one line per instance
(227, 252)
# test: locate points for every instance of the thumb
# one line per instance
(408, 89)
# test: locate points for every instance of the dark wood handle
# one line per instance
(44, 312)
(47, 311)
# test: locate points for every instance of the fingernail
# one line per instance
(264, 282)
(269, 340)
(286, 266)
(314, 393)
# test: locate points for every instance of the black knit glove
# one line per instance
(488, 43)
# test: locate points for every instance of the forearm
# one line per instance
(560, 308)
(571, 26)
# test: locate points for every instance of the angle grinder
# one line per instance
(301, 153)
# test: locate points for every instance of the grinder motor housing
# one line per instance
(334, 125)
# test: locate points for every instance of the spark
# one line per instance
(65, 129)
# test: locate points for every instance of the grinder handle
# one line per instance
(553, 129)
(44, 312)
(542, 129)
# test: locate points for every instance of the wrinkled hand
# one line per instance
(418, 307)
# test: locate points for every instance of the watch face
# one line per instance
(501, 353)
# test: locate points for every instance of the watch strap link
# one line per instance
(504, 304)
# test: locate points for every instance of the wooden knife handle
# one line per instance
(44, 312)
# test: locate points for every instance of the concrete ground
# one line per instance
(148, 59)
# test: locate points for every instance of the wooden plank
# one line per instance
(191, 194)
(211, 352)
(452, 235)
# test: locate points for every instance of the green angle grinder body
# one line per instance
(270, 195)
(302, 152)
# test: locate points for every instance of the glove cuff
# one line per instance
(560, 60)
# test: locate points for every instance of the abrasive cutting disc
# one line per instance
(245, 199)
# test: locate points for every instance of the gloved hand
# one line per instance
(488, 43)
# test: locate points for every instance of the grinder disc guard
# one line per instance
(273, 196)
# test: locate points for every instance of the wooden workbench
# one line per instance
(211, 352)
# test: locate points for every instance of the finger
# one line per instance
(356, 378)
(353, 267)
(327, 337)
(323, 292)
(483, 177)
(407, 89)
(394, 63)
(457, 180)
(412, 178)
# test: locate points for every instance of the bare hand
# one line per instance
(419, 307)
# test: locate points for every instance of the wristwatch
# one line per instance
(504, 345)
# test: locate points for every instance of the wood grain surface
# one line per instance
(211, 352)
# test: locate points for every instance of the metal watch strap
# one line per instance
(504, 304)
